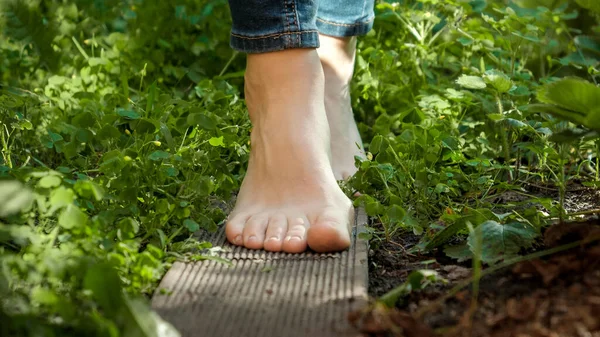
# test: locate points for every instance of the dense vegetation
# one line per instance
(123, 131)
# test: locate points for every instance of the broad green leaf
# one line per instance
(593, 5)
(49, 181)
(128, 228)
(23, 124)
(72, 217)
(144, 125)
(395, 213)
(202, 120)
(376, 144)
(497, 79)
(502, 241)
(574, 135)
(578, 97)
(460, 253)
(18, 234)
(191, 225)
(143, 322)
(445, 234)
(108, 132)
(130, 114)
(104, 283)
(471, 82)
(216, 141)
(159, 155)
(557, 111)
(60, 198)
(44, 296)
(89, 189)
(590, 43)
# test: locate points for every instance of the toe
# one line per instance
(295, 239)
(276, 230)
(254, 231)
(235, 227)
(329, 234)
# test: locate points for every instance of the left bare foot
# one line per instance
(337, 58)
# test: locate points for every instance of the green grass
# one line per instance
(123, 132)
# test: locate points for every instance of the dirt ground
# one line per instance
(553, 296)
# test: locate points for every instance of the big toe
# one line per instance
(329, 234)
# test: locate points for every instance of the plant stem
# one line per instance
(562, 184)
(503, 133)
(235, 53)
(476, 270)
(598, 160)
(5, 150)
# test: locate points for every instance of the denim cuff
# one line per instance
(343, 29)
(275, 42)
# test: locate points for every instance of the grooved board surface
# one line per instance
(266, 294)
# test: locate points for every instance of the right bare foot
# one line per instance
(289, 199)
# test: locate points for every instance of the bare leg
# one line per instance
(289, 198)
(337, 58)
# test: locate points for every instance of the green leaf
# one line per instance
(23, 124)
(49, 181)
(191, 225)
(44, 296)
(14, 197)
(159, 155)
(501, 241)
(445, 234)
(108, 132)
(459, 252)
(578, 100)
(557, 111)
(128, 228)
(72, 217)
(471, 82)
(143, 322)
(497, 79)
(416, 280)
(104, 283)
(202, 120)
(130, 114)
(592, 5)
(376, 144)
(396, 213)
(573, 135)
(89, 189)
(60, 198)
(216, 141)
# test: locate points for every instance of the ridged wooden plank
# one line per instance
(266, 294)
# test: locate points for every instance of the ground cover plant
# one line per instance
(124, 131)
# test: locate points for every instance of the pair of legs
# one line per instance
(304, 135)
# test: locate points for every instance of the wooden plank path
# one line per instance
(267, 294)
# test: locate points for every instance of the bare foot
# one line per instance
(289, 199)
(337, 58)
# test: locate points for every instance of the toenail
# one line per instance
(252, 238)
(295, 238)
(273, 238)
(238, 240)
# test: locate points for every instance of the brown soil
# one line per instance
(554, 296)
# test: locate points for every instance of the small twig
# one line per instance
(590, 212)
(401, 247)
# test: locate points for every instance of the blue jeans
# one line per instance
(261, 26)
